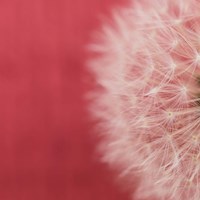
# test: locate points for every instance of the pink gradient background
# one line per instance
(46, 148)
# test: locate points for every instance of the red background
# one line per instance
(46, 148)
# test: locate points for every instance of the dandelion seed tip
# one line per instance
(178, 21)
(197, 60)
(174, 43)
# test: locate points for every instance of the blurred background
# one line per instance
(47, 151)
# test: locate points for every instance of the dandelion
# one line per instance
(148, 64)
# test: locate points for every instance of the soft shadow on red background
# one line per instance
(46, 150)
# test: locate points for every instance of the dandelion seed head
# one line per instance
(148, 64)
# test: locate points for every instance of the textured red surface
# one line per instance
(46, 150)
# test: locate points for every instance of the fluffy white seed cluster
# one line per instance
(148, 64)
